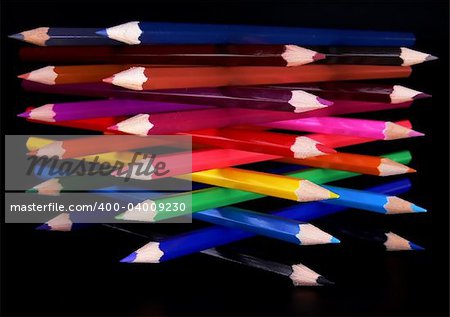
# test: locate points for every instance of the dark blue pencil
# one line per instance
(191, 33)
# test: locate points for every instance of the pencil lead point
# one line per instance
(333, 195)
(102, 32)
(32, 191)
(413, 133)
(416, 208)
(24, 76)
(119, 216)
(108, 80)
(431, 58)
(422, 95)
(325, 102)
(129, 258)
(323, 281)
(25, 114)
(44, 227)
(319, 56)
(411, 170)
(113, 127)
(325, 149)
(32, 153)
(335, 240)
(415, 247)
(17, 36)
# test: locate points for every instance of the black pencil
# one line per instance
(393, 56)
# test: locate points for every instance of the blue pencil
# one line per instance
(375, 202)
(190, 33)
(195, 241)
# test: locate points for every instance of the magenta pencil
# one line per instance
(102, 108)
(239, 96)
(215, 96)
(379, 130)
(174, 122)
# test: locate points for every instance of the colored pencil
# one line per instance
(356, 234)
(138, 32)
(137, 78)
(264, 184)
(357, 163)
(45, 36)
(195, 241)
(231, 97)
(398, 56)
(297, 101)
(215, 197)
(184, 121)
(299, 274)
(379, 130)
(56, 75)
(238, 96)
(102, 108)
(260, 141)
(374, 202)
(330, 141)
(374, 92)
(220, 55)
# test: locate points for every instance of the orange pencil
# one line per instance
(149, 78)
(356, 163)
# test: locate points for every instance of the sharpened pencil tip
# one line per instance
(44, 227)
(333, 195)
(102, 32)
(416, 208)
(422, 95)
(413, 133)
(24, 76)
(130, 258)
(17, 36)
(120, 216)
(325, 149)
(113, 127)
(431, 58)
(325, 102)
(415, 247)
(319, 56)
(335, 240)
(108, 80)
(411, 170)
(31, 191)
(25, 114)
(32, 153)
(323, 281)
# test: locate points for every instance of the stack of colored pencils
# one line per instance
(227, 87)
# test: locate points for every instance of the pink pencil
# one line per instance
(379, 130)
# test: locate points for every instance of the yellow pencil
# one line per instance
(264, 183)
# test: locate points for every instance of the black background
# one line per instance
(48, 273)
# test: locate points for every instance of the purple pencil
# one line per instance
(102, 108)
(268, 100)
(295, 100)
